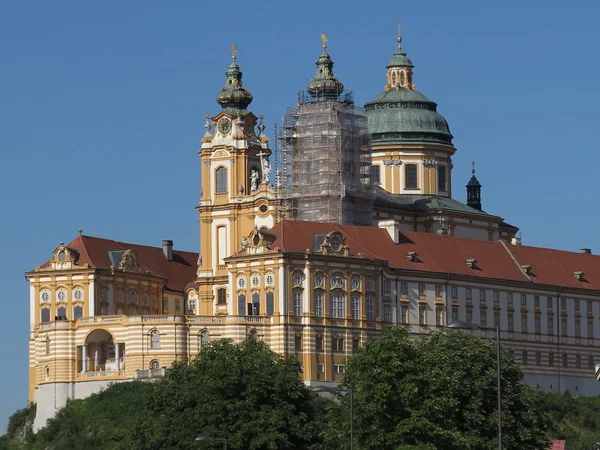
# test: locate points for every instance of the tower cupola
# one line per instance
(474, 191)
(324, 85)
(400, 74)
(234, 96)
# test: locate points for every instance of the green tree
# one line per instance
(436, 391)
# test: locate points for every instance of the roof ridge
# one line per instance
(515, 261)
(131, 243)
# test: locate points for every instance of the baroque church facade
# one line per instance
(359, 230)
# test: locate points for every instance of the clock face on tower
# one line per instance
(224, 125)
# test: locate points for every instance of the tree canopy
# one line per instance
(439, 392)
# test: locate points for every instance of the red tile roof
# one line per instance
(447, 254)
(95, 252)
(558, 445)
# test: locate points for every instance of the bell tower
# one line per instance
(236, 194)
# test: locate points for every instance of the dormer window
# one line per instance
(412, 256)
(62, 255)
(526, 268)
(336, 242)
(471, 263)
(578, 275)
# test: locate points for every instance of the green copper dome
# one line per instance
(324, 85)
(401, 114)
(234, 96)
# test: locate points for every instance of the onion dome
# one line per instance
(234, 96)
(324, 85)
(401, 114)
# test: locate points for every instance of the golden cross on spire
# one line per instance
(324, 41)
(233, 52)
(399, 39)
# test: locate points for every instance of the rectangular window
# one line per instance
(590, 329)
(538, 358)
(496, 319)
(241, 305)
(576, 302)
(590, 362)
(468, 295)
(404, 288)
(386, 314)
(438, 290)
(578, 361)
(369, 308)
(496, 298)
(338, 369)
(337, 344)
(469, 316)
(192, 305)
(550, 326)
(336, 300)
(538, 325)
(565, 360)
(524, 356)
(177, 305)
(549, 303)
(550, 359)
(298, 343)
(221, 296)
(355, 307)
(481, 295)
(320, 368)
(563, 304)
(297, 303)
(386, 287)
(439, 317)
(270, 304)
(564, 327)
(319, 304)
(442, 178)
(254, 307)
(221, 175)
(410, 171)
(375, 174)
(511, 323)
(483, 319)
(422, 316)
(355, 344)
(509, 299)
(577, 329)
(165, 304)
(523, 323)
(454, 292)
(404, 313)
(524, 300)
(589, 307)
(319, 343)
(536, 301)
(421, 288)
(454, 314)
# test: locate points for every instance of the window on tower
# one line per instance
(221, 176)
(411, 176)
(375, 175)
(442, 185)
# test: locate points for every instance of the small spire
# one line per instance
(324, 39)
(80, 231)
(233, 52)
(207, 125)
(399, 39)
(261, 125)
(473, 170)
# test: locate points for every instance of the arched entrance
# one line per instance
(101, 354)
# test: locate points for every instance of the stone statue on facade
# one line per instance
(266, 170)
(254, 176)
(244, 243)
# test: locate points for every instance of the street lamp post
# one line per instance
(349, 391)
(459, 325)
(208, 438)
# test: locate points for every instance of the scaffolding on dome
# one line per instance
(325, 163)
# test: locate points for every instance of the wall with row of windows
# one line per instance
(410, 178)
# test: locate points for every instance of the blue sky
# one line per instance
(102, 106)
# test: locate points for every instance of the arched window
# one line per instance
(77, 312)
(370, 284)
(394, 79)
(241, 305)
(336, 305)
(355, 306)
(369, 308)
(319, 304)
(297, 303)
(154, 339)
(221, 178)
(45, 315)
(154, 365)
(78, 294)
(402, 78)
(203, 338)
(255, 306)
(47, 345)
(410, 171)
(221, 296)
(62, 313)
(270, 304)
(132, 296)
